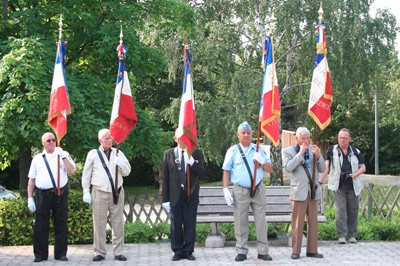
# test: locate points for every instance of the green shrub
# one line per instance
(80, 219)
(138, 232)
(16, 223)
(229, 231)
(202, 231)
(161, 230)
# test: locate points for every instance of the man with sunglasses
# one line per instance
(43, 180)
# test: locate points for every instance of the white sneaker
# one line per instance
(353, 240)
(342, 240)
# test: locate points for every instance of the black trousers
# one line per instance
(183, 226)
(47, 201)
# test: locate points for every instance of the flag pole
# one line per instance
(320, 13)
(187, 167)
(122, 86)
(256, 165)
(58, 140)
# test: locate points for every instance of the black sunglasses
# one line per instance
(51, 140)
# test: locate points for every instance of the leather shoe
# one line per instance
(62, 258)
(295, 256)
(189, 257)
(176, 257)
(240, 257)
(98, 258)
(264, 257)
(315, 255)
(38, 259)
(120, 258)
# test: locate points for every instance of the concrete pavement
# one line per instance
(156, 254)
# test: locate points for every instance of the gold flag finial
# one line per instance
(60, 24)
(320, 13)
(272, 20)
(121, 36)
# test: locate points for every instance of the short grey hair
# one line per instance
(102, 132)
(302, 131)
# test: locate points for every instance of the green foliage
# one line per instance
(161, 230)
(202, 231)
(379, 229)
(80, 220)
(138, 232)
(27, 52)
(16, 223)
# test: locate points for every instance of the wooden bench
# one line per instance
(213, 208)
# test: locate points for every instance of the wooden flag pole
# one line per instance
(58, 141)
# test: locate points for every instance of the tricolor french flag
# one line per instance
(187, 128)
(270, 103)
(59, 100)
(321, 96)
(123, 115)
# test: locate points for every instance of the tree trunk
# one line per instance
(5, 8)
(276, 177)
(25, 159)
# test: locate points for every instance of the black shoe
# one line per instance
(62, 258)
(189, 257)
(176, 257)
(38, 259)
(240, 257)
(120, 258)
(315, 255)
(295, 256)
(98, 258)
(264, 257)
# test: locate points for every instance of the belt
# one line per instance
(51, 190)
(248, 187)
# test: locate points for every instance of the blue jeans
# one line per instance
(347, 204)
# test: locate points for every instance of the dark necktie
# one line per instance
(307, 157)
(182, 172)
(107, 152)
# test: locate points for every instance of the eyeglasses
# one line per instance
(51, 140)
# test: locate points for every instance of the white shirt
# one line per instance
(39, 172)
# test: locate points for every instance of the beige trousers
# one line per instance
(103, 205)
(242, 202)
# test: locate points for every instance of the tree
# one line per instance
(92, 31)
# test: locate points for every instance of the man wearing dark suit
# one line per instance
(180, 198)
(298, 160)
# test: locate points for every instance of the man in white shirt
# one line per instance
(43, 180)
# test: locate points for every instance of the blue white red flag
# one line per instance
(59, 100)
(270, 103)
(187, 128)
(123, 115)
(321, 96)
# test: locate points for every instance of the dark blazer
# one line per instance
(171, 183)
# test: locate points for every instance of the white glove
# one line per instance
(259, 158)
(188, 160)
(59, 151)
(31, 204)
(119, 161)
(166, 205)
(87, 198)
(228, 197)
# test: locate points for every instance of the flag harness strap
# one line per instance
(247, 165)
(109, 175)
(50, 173)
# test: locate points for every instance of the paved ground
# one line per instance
(362, 253)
